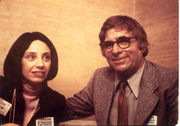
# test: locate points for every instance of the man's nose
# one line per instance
(116, 49)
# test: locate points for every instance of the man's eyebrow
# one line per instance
(117, 38)
(109, 41)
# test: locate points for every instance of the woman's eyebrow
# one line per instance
(30, 53)
(47, 53)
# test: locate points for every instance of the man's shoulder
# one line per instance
(161, 71)
(160, 68)
(104, 70)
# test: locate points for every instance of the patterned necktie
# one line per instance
(122, 105)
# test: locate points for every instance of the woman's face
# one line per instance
(36, 62)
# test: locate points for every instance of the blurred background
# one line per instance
(73, 26)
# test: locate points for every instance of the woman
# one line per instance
(30, 63)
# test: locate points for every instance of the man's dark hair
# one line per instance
(131, 25)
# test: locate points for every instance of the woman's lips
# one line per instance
(39, 74)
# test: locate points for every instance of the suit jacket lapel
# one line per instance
(108, 84)
(147, 99)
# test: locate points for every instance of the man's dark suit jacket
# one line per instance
(158, 95)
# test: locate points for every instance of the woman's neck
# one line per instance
(31, 97)
(32, 90)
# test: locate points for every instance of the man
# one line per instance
(149, 92)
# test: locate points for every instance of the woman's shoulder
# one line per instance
(53, 98)
(1, 79)
(6, 90)
(49, 92)
(3, 83)
(6, 84)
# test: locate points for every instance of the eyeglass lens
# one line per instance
(122, 42)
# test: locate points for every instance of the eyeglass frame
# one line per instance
(102, 45)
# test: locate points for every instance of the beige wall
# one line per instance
(73, 26)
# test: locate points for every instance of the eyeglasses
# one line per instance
(122, 42)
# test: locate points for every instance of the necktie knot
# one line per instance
(123, 85)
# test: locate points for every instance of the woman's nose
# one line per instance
(40, 62)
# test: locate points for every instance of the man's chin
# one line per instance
(120, 68)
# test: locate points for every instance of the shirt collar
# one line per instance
(133, 81)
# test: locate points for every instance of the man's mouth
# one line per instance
(119, 60)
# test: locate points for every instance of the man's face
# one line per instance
(127, 60)
(36, 62)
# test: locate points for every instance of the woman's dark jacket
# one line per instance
(52, 104)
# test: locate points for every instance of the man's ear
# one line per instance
(142, 48)
(144, 51)
(102, 52)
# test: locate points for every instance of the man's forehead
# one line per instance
(114, 33)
